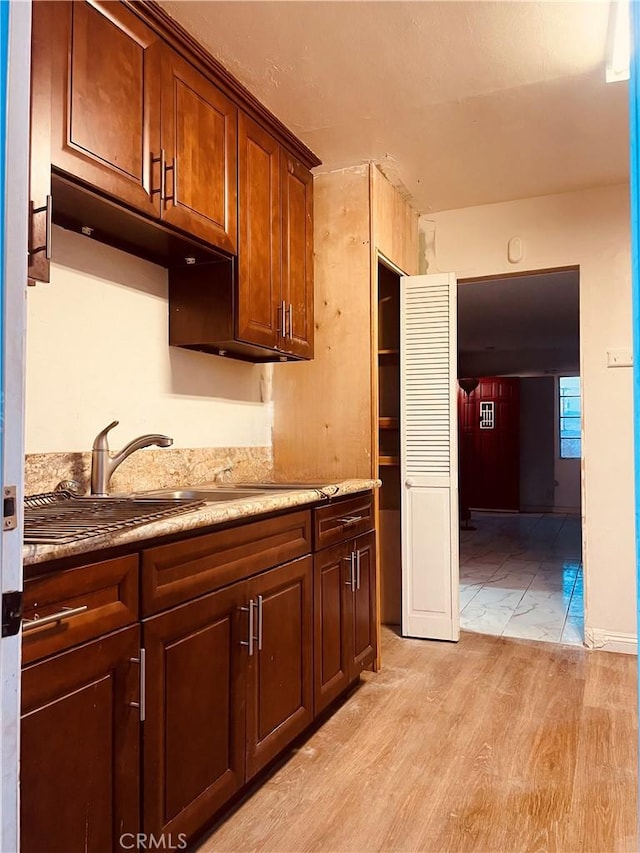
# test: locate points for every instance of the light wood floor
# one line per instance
(492, 744)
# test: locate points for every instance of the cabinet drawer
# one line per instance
(107, 592)
(172, 574)
(342, 520)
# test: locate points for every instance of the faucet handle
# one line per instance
(100, 442)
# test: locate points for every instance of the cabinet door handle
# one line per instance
(346, 520)
(142, 704)
(351, 582)
(47, 209)
(290, 321)
(249, 642)
(281, 320)
(65, 613)
(260, 613)
(163, 174)
(172, 168)
(358, 569)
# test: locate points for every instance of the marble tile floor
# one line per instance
(521, 576)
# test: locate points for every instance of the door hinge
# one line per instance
(9, 508)
(11, 613)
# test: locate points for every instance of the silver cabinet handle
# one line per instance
(280, 328)
(358, 569)
(142, 704)
(65, 613)
(283, 308)
(350, 519)
(249, 642)
(290, 321)
(163, 174)
(352, 579)
(260, 613)
(48, 228)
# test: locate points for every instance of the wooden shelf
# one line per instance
(388, 423)
(389, 354)
(388, 460)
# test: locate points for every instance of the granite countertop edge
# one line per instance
(208, 515)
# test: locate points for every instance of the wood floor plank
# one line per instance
(490, 744)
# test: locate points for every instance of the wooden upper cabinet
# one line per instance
(199, 153)
(105, 100)
(297, 256)
(259, 308)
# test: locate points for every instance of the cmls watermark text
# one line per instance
(149, 841)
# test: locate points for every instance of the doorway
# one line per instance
(521, 572)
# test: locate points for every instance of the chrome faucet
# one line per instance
(103, 464)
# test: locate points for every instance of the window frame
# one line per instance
(563, 417)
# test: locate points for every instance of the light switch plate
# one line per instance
(619, 358)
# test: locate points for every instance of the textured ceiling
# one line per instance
(462, 103)
(525, 324)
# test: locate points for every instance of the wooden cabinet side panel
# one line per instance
(194, 737)
(331, 614)
(259, 313)
(309, 410)
(200, 139)
(280, 675)
(79, 747)
(297, 257)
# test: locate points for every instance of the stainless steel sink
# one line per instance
(203, 493)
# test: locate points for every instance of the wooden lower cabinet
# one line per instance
(79, 747)
(220, 705)
(344, 616)
(280, 672)
(194, 730)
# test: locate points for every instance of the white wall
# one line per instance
(97, 351)
(590, 229)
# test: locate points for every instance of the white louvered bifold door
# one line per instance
(429, 457)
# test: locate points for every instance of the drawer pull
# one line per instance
(30, 624)
(350, 519)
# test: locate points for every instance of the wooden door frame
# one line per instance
(546, 271)
(377, 257)
(15, 29)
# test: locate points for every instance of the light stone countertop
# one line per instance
(206, 516)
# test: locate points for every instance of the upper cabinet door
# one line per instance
(260, 312)
(105, 110)
(297, 257)
(199, 144)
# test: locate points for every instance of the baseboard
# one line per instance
(610, 641)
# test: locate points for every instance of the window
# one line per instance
(570, 411)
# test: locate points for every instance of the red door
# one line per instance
(489, 425)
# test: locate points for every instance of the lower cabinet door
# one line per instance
(194, 733)
(363, 614)
(332, 613)
(79, 774)
(280, 680)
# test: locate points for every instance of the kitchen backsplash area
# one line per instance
(153, 468)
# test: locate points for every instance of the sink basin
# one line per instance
(211, 495)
